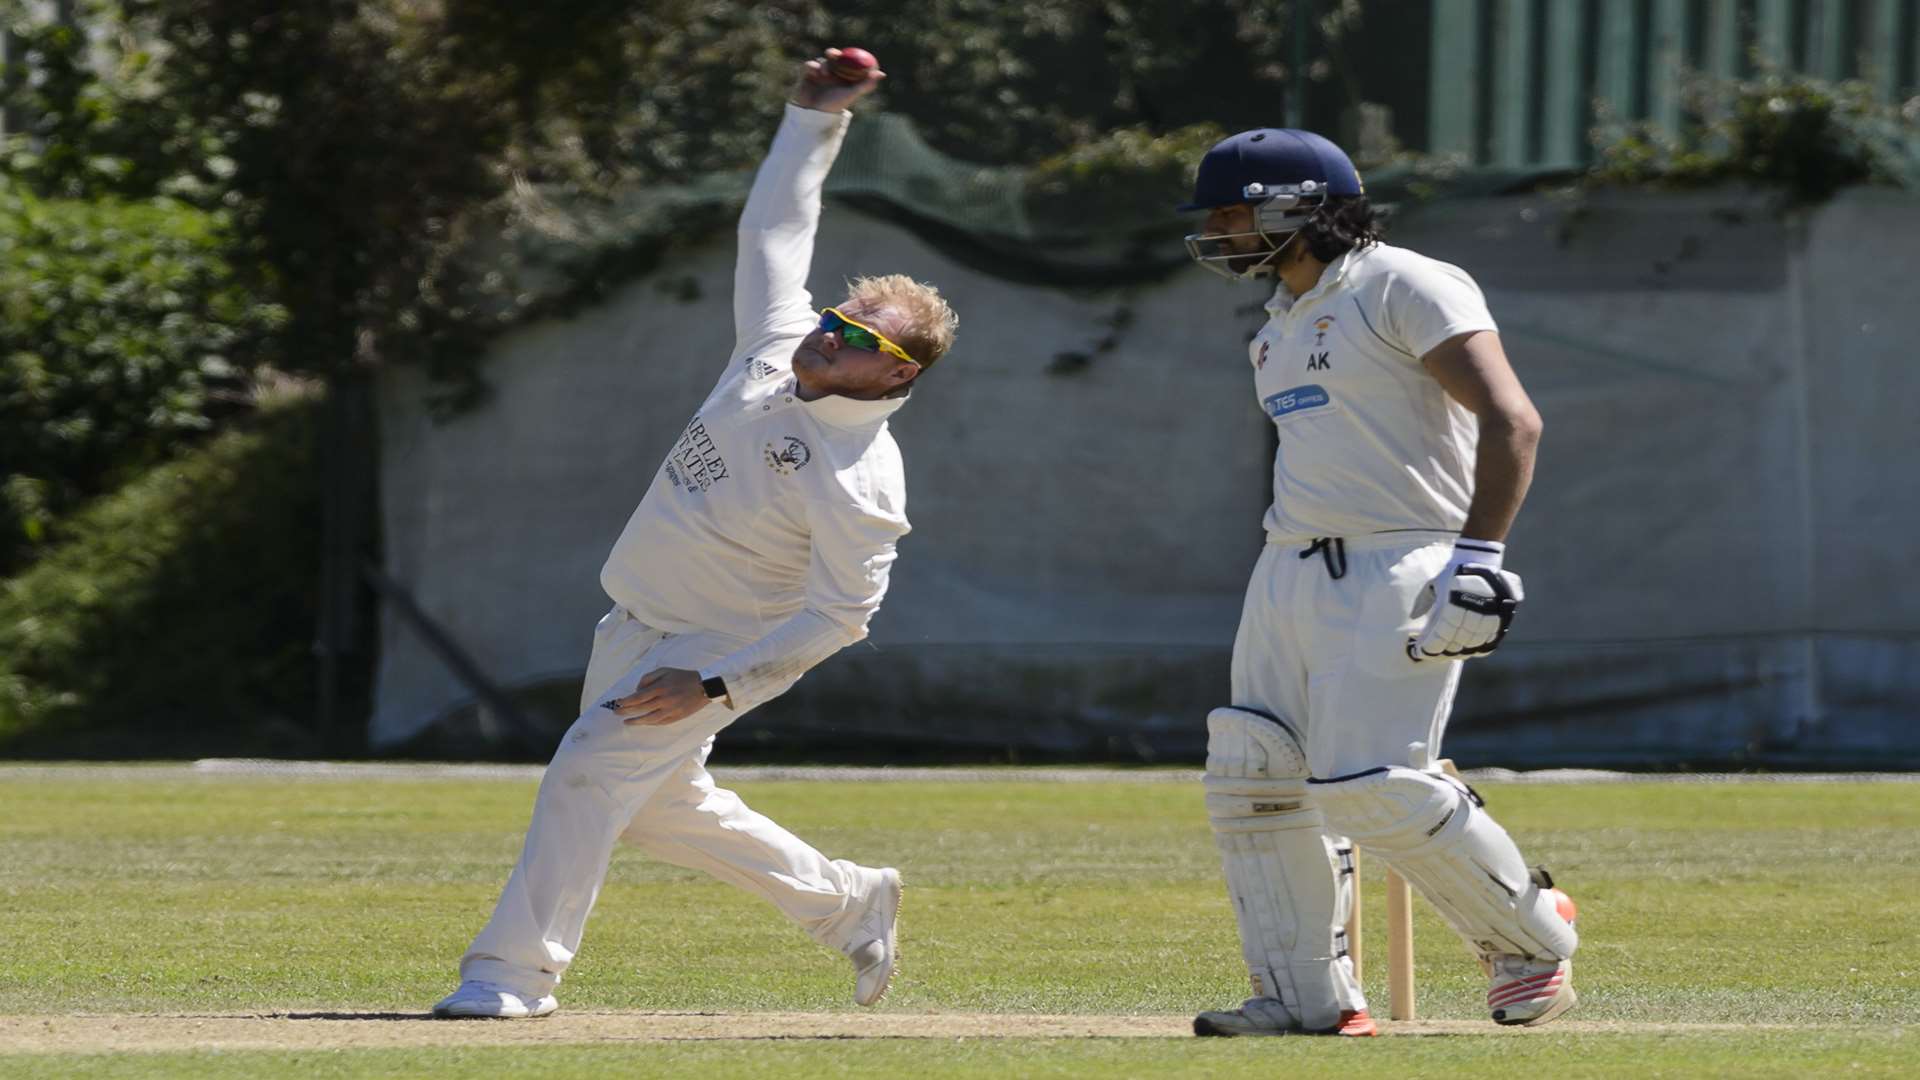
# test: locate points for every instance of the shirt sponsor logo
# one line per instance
(758, 368)
(695, 463)
(789, 457)
(1298, 399)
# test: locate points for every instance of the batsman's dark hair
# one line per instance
(1343, 223)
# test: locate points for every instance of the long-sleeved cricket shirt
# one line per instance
(773, 520)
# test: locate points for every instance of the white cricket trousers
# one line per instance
(648, 786)
(1329, 653)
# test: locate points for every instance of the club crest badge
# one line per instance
(789, 457)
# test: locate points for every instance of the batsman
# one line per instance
(1406, 448)
(763, 546)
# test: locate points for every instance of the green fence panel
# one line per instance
(1520, 83)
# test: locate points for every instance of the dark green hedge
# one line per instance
(179, 611)
(120, 326)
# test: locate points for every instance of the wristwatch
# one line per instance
(715, 686)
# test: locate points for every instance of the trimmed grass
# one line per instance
(1769, 1054)
(1781, 904)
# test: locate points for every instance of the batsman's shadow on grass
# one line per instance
(354, 1016)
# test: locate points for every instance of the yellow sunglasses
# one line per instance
(861, 336)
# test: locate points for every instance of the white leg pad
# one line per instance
(1432, 830)
(1290, 883)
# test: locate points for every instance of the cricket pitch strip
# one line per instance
(350, 1030)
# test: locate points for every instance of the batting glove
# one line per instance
(1480, 599)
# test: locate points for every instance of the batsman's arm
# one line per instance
(854, 548)
(1473, 369)
(782, 214)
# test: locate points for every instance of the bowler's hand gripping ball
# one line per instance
(853, 65)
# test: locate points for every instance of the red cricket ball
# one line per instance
(852, 65)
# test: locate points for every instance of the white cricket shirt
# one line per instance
(773, 520)
(1369, 442)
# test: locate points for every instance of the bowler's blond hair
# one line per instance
(930, 323)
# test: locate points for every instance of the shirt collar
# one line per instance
(1336, 271)
(853, 414)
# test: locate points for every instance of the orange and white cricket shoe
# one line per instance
(1526, 991)
(1356, 1023)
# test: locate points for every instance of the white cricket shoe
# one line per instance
(871, 944)
(1268, 1016)
(485, 999)
(1524, 991)
(1530, 991)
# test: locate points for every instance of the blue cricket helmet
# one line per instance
(1275, 159)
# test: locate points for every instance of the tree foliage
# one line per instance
(96, 124)
(685, 87)
(1801, 135)
(123, 331)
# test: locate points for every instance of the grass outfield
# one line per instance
(1751, 929)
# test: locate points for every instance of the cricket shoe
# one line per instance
(872, 943)
(1268, 1016)
(1526, 991)
(485, 999)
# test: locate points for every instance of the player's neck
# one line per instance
(1301, 272)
